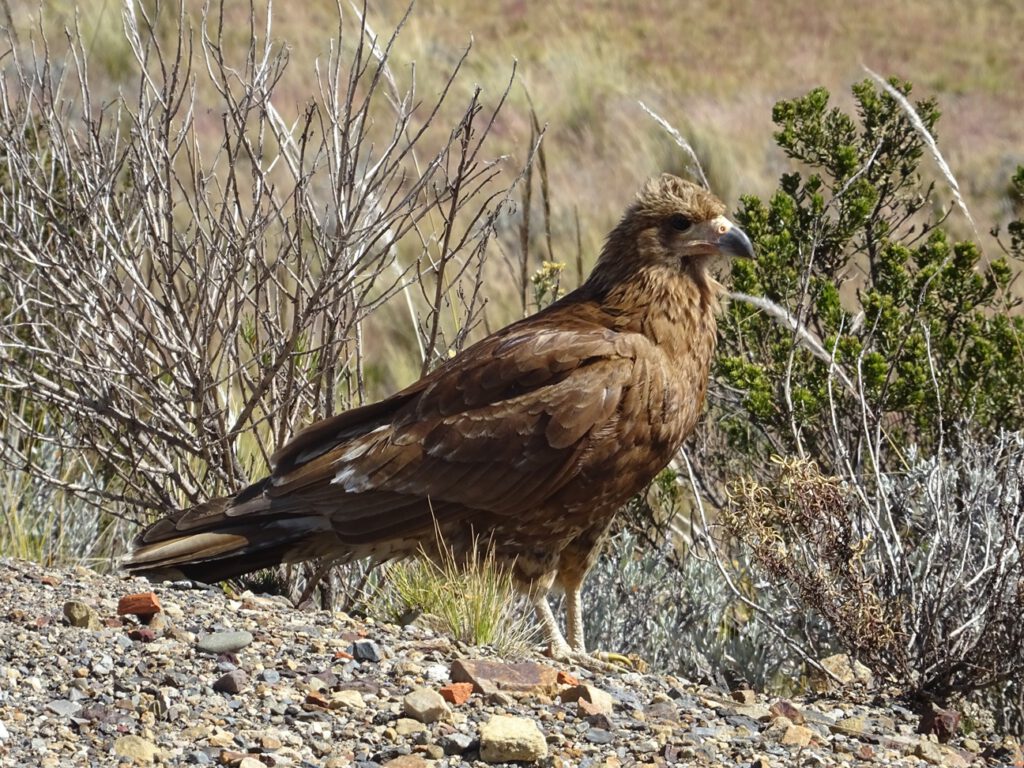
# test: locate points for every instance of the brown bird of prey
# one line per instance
(531, 438)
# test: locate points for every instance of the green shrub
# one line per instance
(883, 359)
(919, 327)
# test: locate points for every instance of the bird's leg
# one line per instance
(574, 628)
(574, 619)
(557, 647)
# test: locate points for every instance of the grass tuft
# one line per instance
(473, 599)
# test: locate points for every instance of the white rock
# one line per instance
(425, 705)
(505, 738)
(136, 749)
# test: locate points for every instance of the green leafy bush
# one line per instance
(914, 326)
(883, 358)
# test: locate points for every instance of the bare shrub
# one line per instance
(174, 306)
(920, 576)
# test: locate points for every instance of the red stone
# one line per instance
(565, 678)
(457, 693)
(143, 605)
(490, 676)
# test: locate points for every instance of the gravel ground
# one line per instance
(251, 682)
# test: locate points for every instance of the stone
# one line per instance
(347, 699)
(270, 676)
(137, 749)
(796, 736)
(944, 723)
(143, 604)
(232, 682)
(505, 738)
(63, 707)
(598, 736)
(939, 754)
(80, 615)
(601, 703)
(270, 742)
(436, 673)
(744, 696)
(103, 666)
(853, 726)
(783, 708)
(406, 761)
(566, 678)
(456, 743)
(317, 699)
(864, 752)
(457, 693)
(366, 650)
(406, 726)
(217, 643)
(4, 733)
(846, 670)
(489, 676)
(425, 705)
(249, 762)
(221, 739)
(753, 711)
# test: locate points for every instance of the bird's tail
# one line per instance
(225, 538)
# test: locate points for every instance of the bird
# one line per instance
(531, 439)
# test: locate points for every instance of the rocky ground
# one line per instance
(251, 682)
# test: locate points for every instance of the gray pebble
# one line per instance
(366, 650)
(63, 707)
(456, 743)
(598, 736)
(224, 642)
(271, 676)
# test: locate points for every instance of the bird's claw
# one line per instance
(607, 663)
(623, 663)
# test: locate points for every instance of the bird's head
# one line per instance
(673, 227)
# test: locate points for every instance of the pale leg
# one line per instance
(574, 619)
(558, 647)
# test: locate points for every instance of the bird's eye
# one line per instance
(680, 222)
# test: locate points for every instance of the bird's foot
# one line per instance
(607, 663)
(625, 663)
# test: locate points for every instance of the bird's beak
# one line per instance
(730, 239)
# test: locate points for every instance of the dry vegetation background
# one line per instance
(581, 73)
(713, 73)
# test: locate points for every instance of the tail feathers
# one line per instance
(223, 539)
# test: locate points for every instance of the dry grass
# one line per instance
(475, 600)
(714, 75)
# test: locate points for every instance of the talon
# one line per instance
(632, 662)
(607, 663)
(614, 658)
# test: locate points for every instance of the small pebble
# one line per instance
(232, 682)
(224, 642)
(366, 650)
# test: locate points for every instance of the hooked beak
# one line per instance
(731, 240)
